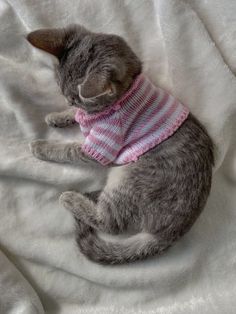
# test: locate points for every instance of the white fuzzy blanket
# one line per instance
(187, 47)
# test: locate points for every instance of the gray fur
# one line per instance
(160, 196)
(61, 119)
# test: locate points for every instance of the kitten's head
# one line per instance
(94, 69)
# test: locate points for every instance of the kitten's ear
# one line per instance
(54, 40)
(95, 85)
(50, 40)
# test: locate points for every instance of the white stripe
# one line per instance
(106, 140)
(135, 148)
(154, 119)
(135, 101)
(85, 129)
(99, 150)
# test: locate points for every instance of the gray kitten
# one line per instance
(160, 196)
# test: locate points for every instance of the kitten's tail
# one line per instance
(134, 248)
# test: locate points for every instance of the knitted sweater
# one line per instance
(144, 117)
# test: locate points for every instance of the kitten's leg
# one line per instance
(61, 119)
(99, 216)
(58, 152)
(108, 212)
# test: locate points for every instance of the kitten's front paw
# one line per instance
(59, 120)
(70, 200)
(38, 149)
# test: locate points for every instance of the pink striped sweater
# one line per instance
(144, 117)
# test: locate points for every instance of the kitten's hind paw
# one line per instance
(73, 201)
(68, 200)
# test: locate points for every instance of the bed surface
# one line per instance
(187, 47)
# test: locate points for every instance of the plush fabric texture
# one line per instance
(188, 48)
(144, 117)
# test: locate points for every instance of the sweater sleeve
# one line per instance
(104, 141)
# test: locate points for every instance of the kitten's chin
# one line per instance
(97, 105)
(95, 109)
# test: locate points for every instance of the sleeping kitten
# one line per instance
(163, 156)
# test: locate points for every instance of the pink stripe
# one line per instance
(163, 119)
(157, 124)
(109, 133)
(97, 156)
(112, 122)
(158, 140)
(85, 134)
(103, 145)
(155, 110)
(139, 113)
(85, 131)
(138, 105)
(84, 126)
